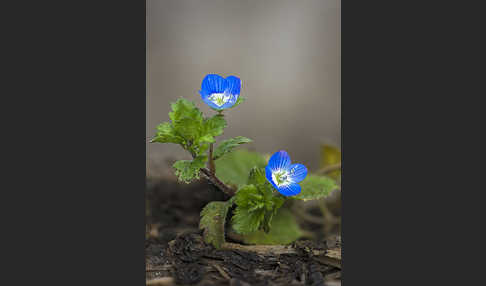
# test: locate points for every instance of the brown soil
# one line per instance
(177, 255)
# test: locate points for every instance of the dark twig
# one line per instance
(221, 271)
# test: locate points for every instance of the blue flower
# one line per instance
(283, 175)
(220, 93)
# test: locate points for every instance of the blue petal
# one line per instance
(233, 84)
(268, 174)
(298, 172)
(290, 190)
(213, 83)
(204, 93)
(279, 160)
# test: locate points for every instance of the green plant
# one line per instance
(258, 191)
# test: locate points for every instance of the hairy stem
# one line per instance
(212, 169)
(217, 182)
(211, 176)
(211, 172)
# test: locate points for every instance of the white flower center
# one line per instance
(219, 98)
(281, 177)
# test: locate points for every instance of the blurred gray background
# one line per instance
(286, 52)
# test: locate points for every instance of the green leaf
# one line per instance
(272, 199)
(255, 208)
(233, 168)
(189, 128)
(186, 119)
(244, 195)
(188, 170)
(257, 176)
(250, 210)
(214, 126)
(213, 219)
(184, 108)
(315, 187)
(228, 145)
(210, 128)
(284, 230)
(166, 134)
(272, 209)
(246, 221)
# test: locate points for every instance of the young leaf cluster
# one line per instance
(256, 204)
(189, 129)
(193, 132)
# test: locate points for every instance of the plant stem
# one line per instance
(217, 182)
(211, 172)
(212, 169)
(211, 176)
